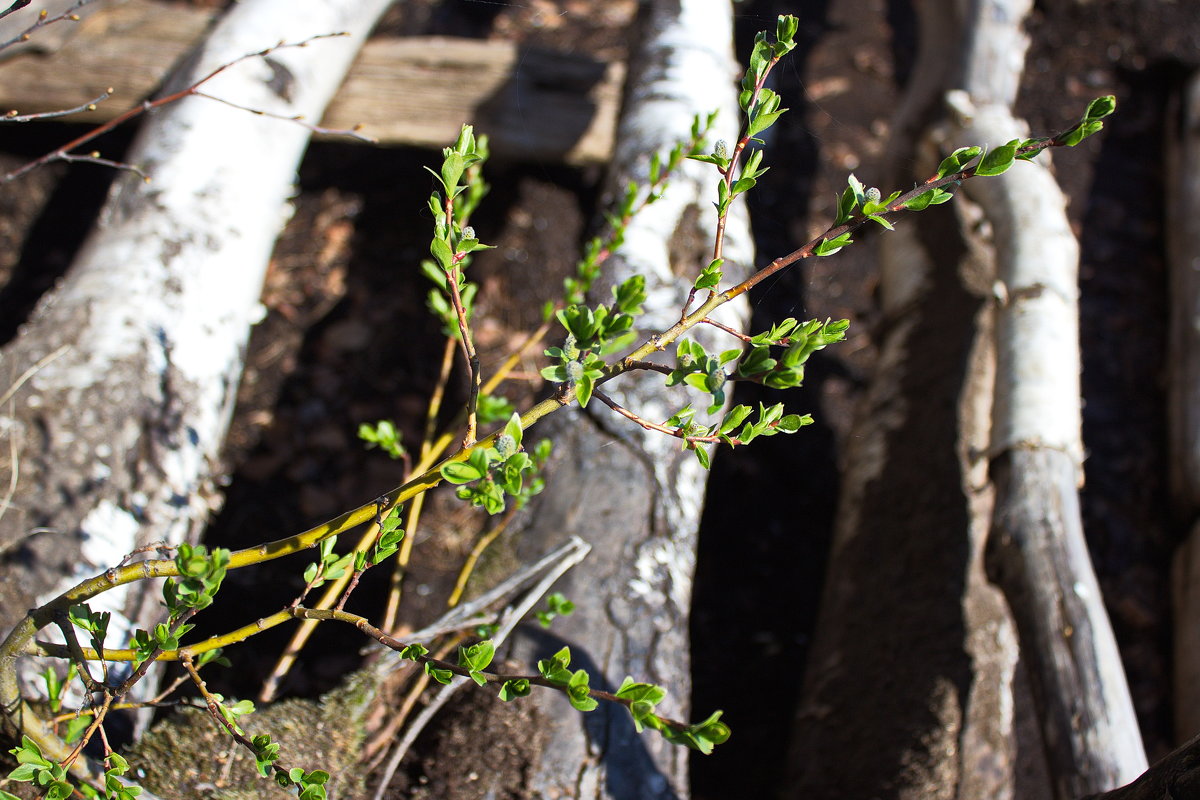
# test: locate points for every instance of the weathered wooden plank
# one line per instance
(404, 91)
(532, 103)
(115, 437)
(128, 46)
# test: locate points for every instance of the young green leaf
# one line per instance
(827, 247)
(440, 675)
(554, 669)
(642, 699)
(511, 690)
(476, 659)
(956, 160)
(414, 652)
(441, 251)
(461, 472)
(846, 204)
(556, 605)
(998, 160)
(710, 276)
(579, 693)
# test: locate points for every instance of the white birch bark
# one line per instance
(1036, 545)
(634, 495)
(114, 435)
(1037, 551)
(935, 720)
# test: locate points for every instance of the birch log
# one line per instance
(908, 686)
(1183, 249)
(121, 384)
(1036, 550)
(416, 91)
(635, 497)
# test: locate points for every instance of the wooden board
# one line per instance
(404, 91)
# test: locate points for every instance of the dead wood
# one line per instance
(1036, 550)
(1175, 776)
(635, 496)
(121, 384)
(404, 91)
(890, 496)
(909, 688)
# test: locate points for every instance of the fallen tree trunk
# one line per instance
(121, 384)
(934, 717)
(635, 496)
(415, 91)
(1036, 549)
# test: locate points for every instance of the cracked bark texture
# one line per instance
(1036, 551)
(635, 496)
(948, 713)
(122, 382)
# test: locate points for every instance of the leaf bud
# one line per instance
(506, 445)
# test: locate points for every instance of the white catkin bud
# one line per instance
(873, 195)
(505, 445)
(574, 371)
(721, 149)
(468, 232)
(570, 347)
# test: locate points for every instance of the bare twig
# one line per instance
(14, 452)
(43, 19)
(678, 433)
(354, 133)
(562, 560)
(722, 326)
(29, 373)
(90, 105)
(63, 153)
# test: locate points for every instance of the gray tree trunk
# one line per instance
(120, 386)
(1036, 549)
(635, 496)
(934, 718)
(908, 691)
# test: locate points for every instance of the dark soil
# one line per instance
(346, 340)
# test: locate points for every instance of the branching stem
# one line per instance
(63, 153)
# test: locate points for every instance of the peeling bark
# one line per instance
(909, 688)
(122, 382)
(635, 496)
(1036, 550)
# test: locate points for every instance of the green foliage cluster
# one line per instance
(498, 472)
(491, 474)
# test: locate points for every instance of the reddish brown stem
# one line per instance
(63, 153)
